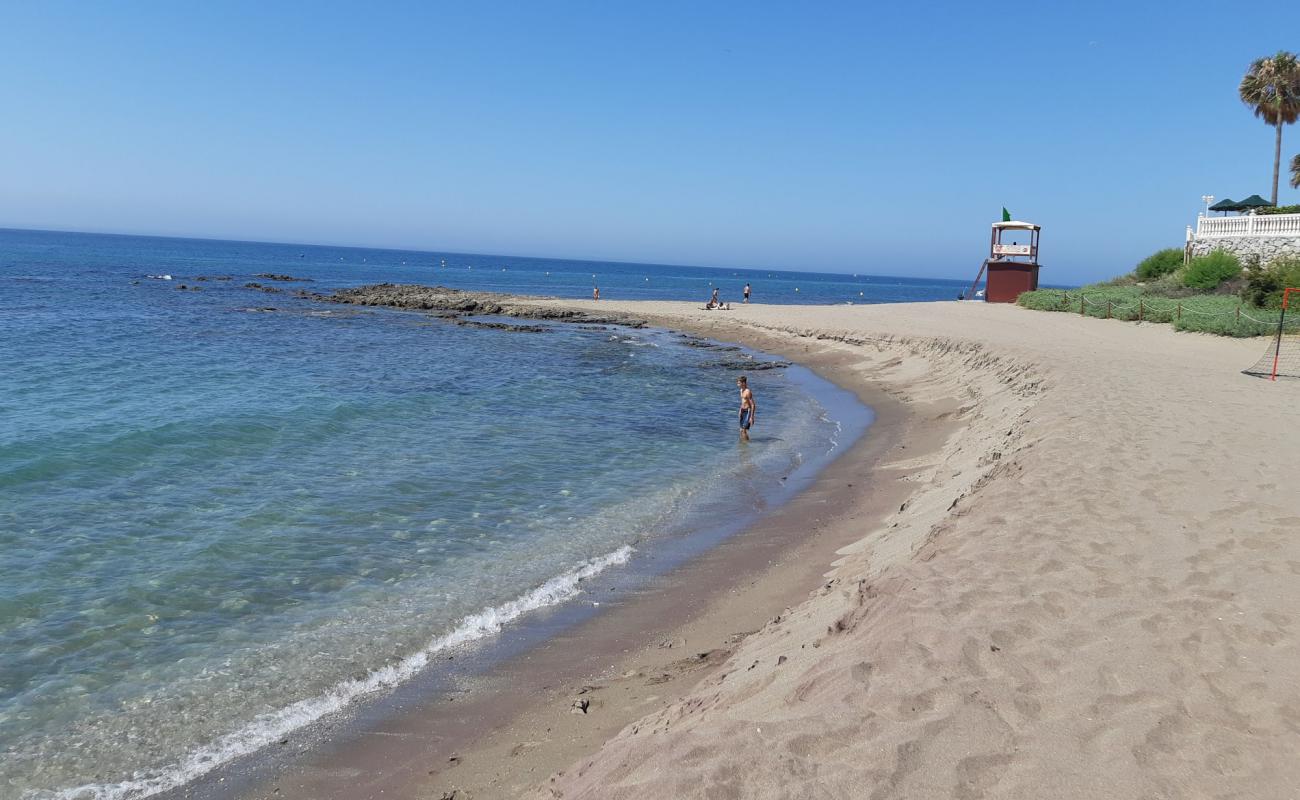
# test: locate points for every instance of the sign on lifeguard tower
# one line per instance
(1012, 264)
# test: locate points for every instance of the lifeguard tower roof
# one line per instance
(1016, 224)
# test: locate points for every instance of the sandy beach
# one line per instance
(373, 425)
(1090, 590)
(1063, 563)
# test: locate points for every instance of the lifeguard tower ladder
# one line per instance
(1012, 268)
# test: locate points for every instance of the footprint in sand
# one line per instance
(861, 672)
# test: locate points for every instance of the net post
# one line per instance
(1281, 321)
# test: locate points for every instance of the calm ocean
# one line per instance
(219, 523)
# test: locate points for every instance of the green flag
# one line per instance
(1006, 215)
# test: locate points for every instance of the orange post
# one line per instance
(1281, 321)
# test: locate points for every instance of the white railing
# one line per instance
(1249, 225)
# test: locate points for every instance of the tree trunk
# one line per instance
(1277, 159)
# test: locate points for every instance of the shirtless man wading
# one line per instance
(748, 409)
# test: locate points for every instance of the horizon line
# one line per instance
(454, 252)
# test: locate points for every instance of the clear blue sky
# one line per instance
(849, 137)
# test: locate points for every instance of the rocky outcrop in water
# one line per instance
(456, 303)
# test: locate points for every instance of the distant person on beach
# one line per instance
(747, 293)
(714, 301)
(748, 409)
(595, 293)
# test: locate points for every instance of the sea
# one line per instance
(227, 514)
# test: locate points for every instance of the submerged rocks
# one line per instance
(750, 366)
(704, 344)
(499, 326)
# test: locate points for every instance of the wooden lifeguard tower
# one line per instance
(1012, 267)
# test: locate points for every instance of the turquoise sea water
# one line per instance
(218, 523)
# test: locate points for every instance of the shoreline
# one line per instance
(1083, 592)
(521, 728)
(383, 746)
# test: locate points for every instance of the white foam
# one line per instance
(835, 436)
(271, 727)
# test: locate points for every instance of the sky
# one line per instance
(842, 137)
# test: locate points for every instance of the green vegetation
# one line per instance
(1220, 314)
(1159, 263)
(1208, 271)
(1210, 295)
(1295, 182)
(1271, 87)
(1264, 285)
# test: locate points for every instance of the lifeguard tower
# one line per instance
(1012, 267)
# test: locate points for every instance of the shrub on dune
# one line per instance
(1159, 263)
(1208, 271)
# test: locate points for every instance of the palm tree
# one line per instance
(1295, 172)
(1272, 88)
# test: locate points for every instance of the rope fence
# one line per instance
(1171, 311)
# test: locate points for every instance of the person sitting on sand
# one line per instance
(748, 408)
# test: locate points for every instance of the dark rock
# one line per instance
(271, 276)
(746, 366)
(500, 326)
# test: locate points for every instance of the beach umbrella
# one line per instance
(1254, 201)
(1226, 205)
